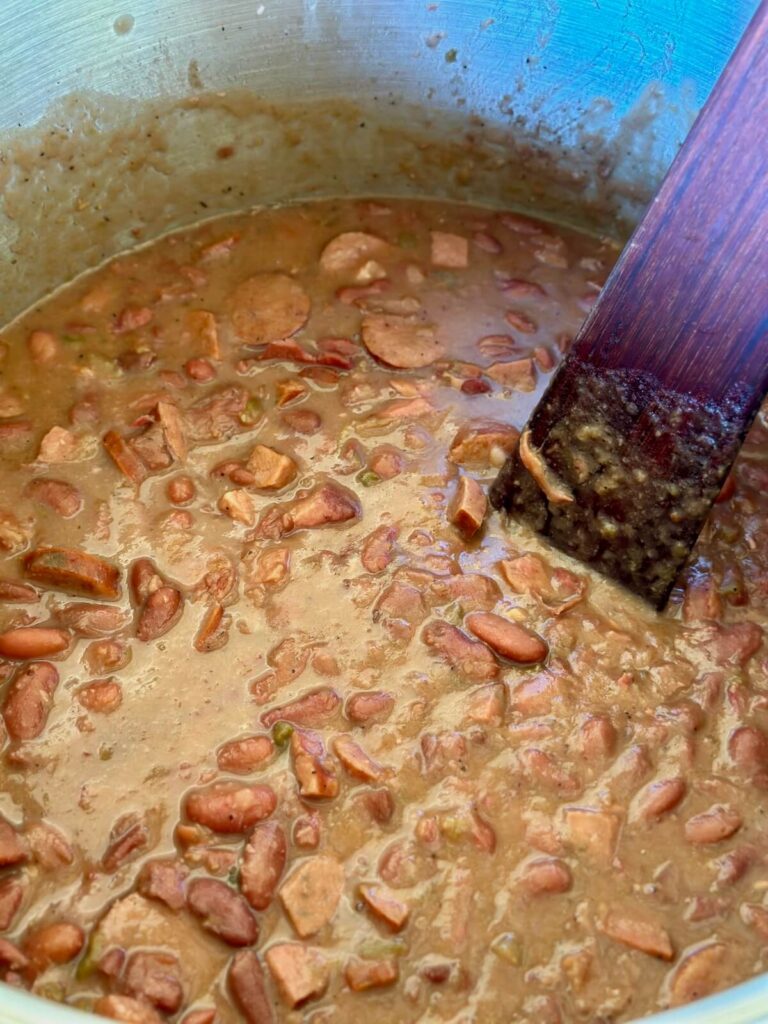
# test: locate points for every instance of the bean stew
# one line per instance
(294, 727)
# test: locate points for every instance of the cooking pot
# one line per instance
(121, 121)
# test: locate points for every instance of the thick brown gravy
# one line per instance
(296, 729)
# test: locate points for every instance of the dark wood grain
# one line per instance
(645, 416)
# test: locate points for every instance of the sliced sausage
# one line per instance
(74, 571)
(267, 307)
(401, 341)
(222, 911)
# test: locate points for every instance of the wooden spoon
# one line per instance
(630, 445)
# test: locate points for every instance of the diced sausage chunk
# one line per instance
(300, 972)
(355, 759)
(73, 571)
(266, 307)
(311, 893)
(449, 250)
(230, 808)
(155, 977)
(351, 249)
(326, 505)
(263, 863)
(364, 974)
(385, 906)
(271, 470)
(55, 943)
(314, 770)
(508, 639)
(163, 880)
(468, 507)
(641, 933)
(476, 442)
(401, 341)
(593, 832)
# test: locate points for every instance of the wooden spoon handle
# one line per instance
(689, 296)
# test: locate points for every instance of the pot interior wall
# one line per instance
(122, 124)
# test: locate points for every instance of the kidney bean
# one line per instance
(378, 548)
(18, 593)
(13, 849)
(508, 639)
(639, 933)
(199, 1017)
(213, 633)
(102, 696)
(27, 642)
(56, 943)
(92, 620)
(697, 974)
(11, 895)
(748, 748)
(127, 1010)
(545, 876)
(468, 657)
(163, 607)
(659, 798)
(244, 755)
(597, 738)
(163, 880)
(222, 911)
(369, 706)
(311, 709)
(229, 807)
(262, 864)
(59, 496)
(248, 988)
(181, 490)
(713, 825)
(129, 835)
(125, 457)
(72, 570)
(29, 699)
(155, 978)
(547, 770)
(200, 370)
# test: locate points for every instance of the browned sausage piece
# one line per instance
(326, 505)
(263, 863)
(311, 894)
(267, 307)
(401, 341)
(33, 642)
(300, 972)
(74, 571)
(248, 988)
(159, 614)
(229, 807)
(29, 699)
(314, 770)
(472, 659)
(124, 457)
(58, 495)
(359, 764)
(640, 933)
(508, 639)
(155, 977)
(222, 911)
(351, 249)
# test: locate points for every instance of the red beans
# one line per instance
(242, 756)
(222, 911)
(546, 876)
(230, 808)
(262, 864)
(369, 706)
(56, 943)
(248, 988)
(159, 614)
(155, 977)
(29, 699)
(33, 642)
(200, 370)
(508, 639)
(181, 490)
(13, 849)
(713, 825)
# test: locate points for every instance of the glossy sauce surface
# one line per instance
(295, 728)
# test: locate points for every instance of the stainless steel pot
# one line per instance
(120, 121)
